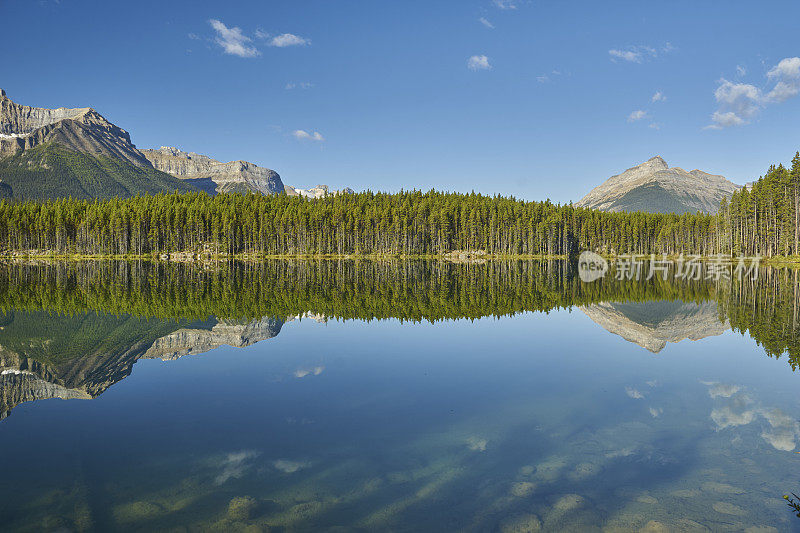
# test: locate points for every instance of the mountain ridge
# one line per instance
(214, 176)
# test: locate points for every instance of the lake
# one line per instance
(342, 395)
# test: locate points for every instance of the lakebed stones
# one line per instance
(524, 523)
(521, 489)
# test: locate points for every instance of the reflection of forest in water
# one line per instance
(70, 330)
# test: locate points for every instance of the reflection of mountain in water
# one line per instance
(44, 356)
(652, 325)
(196, 340)
(73, 331)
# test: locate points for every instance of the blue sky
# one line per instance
(536, 99)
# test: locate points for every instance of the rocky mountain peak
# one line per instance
(654, 187)
(79, 129)
(656, 161)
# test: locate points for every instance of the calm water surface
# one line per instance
(533, 402)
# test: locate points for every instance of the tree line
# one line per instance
(403, 223)
(763, 218)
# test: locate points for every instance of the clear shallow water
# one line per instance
(514, 423)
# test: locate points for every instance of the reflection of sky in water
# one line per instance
(535, 421)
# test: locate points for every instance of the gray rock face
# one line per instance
(189, 341)
(652, 325)
(212, 175)
(80, 129)
(18, 386)
(654, 187)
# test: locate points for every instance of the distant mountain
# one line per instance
(48, 153)
(214, 176)
(319, 191)
(654, 187)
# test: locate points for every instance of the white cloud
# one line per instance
(658, 97)
(486, 23)
(786, 74)
(740, 71)
(735, 415)
(547, 78)
(288, 39)
(194, 36)
(734, 408)
(303, 372)
(628, 55)
(637, 54)
(506, 4)
(723, 390)
(303, 135)
(654, 126)
(478, 63)
(298, 85)
(721, 120)
(784, 432)
(639, 114)
(232, 40)
(738, 104)
(633, 393)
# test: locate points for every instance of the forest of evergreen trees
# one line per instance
(406, 223)
(763, 219)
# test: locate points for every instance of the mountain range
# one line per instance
(654, 187)
(77, 152)
(47, 153)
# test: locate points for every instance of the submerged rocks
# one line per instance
(524, 523)
(728, 508)
(241, 507)
(521, 489)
